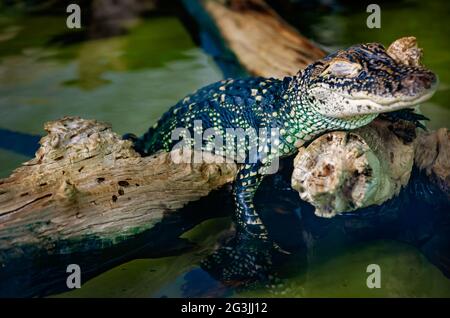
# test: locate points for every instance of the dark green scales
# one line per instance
(343, 91)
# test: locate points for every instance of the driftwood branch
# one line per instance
(87, 183)
(344, 171)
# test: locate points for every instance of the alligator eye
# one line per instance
(343, 69)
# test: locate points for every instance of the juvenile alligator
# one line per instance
(342, 91)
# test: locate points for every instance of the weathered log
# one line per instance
(432, 154)
(406, 51)
(344, 171)
(87, 183)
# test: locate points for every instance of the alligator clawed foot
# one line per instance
(407, 114)
(280, 250)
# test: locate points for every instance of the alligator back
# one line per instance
(240, 103)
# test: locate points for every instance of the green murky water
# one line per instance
(128, 81)
(131, 80)
(405, 273)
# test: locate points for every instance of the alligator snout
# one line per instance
(419, 81)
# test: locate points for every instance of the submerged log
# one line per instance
(264, 44)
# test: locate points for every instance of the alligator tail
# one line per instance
(141, 144)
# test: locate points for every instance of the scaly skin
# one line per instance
(343, 91)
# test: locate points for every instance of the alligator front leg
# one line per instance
(249, 224)
(249, 255)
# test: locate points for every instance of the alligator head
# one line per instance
(362, 80)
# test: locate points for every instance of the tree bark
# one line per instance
(86, 183)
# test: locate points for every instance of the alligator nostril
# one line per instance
(419, 79)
